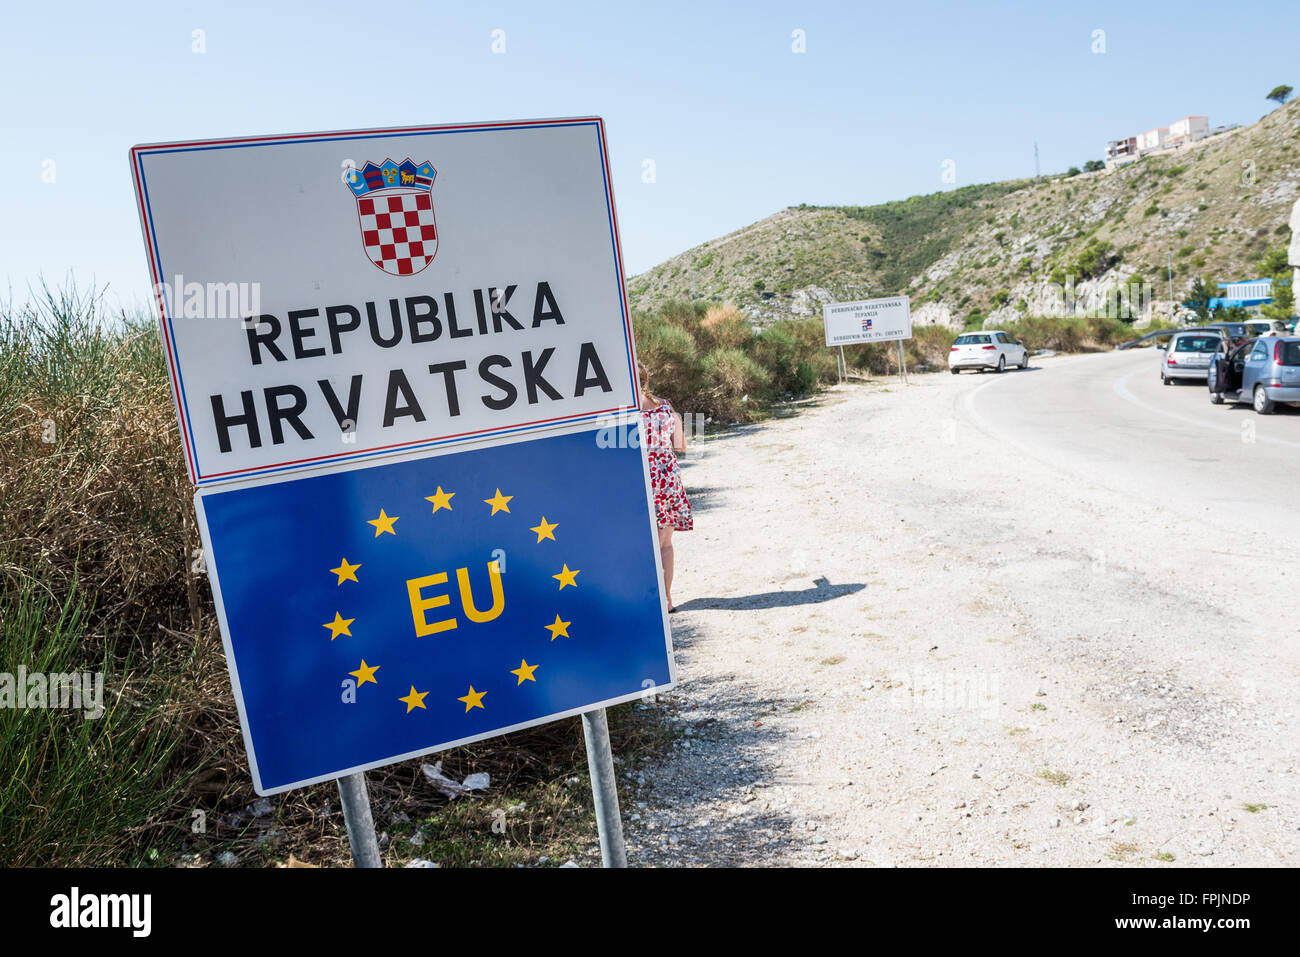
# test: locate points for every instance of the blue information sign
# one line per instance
(380, 613)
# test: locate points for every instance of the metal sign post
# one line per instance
(902, 363)
(604, 789)
(841, 366)
(360, 823)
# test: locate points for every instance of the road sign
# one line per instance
(871, 320)
(401, 361)
(378, 613)
(333, 297)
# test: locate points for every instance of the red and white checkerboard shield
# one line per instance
(398, 230)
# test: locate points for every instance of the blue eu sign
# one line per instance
(382, 613)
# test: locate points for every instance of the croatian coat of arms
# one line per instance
(395, 210)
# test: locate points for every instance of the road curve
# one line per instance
(1107, 419)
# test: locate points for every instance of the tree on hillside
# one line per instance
(1280, 93)
(1093, 165)
(1199, 298)
(1273, 264)
(1283, 304)
(1274, 261)
(1094, 259)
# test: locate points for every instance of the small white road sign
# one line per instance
(871, 320)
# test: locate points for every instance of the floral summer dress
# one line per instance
(672, 508)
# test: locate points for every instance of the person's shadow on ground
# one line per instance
(823, 590)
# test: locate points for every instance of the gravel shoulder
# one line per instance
(904, 640)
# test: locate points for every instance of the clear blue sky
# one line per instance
(737, 124)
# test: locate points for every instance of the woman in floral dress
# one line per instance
(662, 432)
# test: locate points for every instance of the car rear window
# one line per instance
(972, 340)
(1198, 343)
(1291, 353)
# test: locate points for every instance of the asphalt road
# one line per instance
(1108, 419)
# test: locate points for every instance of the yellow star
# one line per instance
(384, 523)
(524, 671)
(560, 627)
(346, 572)
(567, 577)
(413, 700)
(440, 499)
(473, 700)
(339, 626)
(545, 530)
(366, 673)
(498, 502)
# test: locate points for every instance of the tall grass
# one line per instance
(77, 789)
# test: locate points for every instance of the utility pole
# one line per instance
(1170, 274)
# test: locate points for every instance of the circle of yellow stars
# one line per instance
(386, 524)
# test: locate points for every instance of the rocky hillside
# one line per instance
(996, 250)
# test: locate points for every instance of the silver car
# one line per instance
(1189, 354)
(1263, 372)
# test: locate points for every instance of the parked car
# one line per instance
(1235, 331)
(1266, 327)
(1189, 355)
(1261, 371)
(992, 349)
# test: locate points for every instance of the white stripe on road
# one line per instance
(1122, 390)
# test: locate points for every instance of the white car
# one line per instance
(992, 349)
(1266, 327)
(1189, 354)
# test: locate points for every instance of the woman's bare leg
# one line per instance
(666, 556)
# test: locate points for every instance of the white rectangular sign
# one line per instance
(871, 320)
(329, 297)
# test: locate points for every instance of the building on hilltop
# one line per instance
(1153, 139)
(1122, 151)
(1189, 129)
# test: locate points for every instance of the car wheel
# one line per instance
(953, 371)
(1024, 360)
(1002, 364)
(1165, 380)
(1263, 404)
(1216, 398)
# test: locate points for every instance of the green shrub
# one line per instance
(668, 353)
(735, 385)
